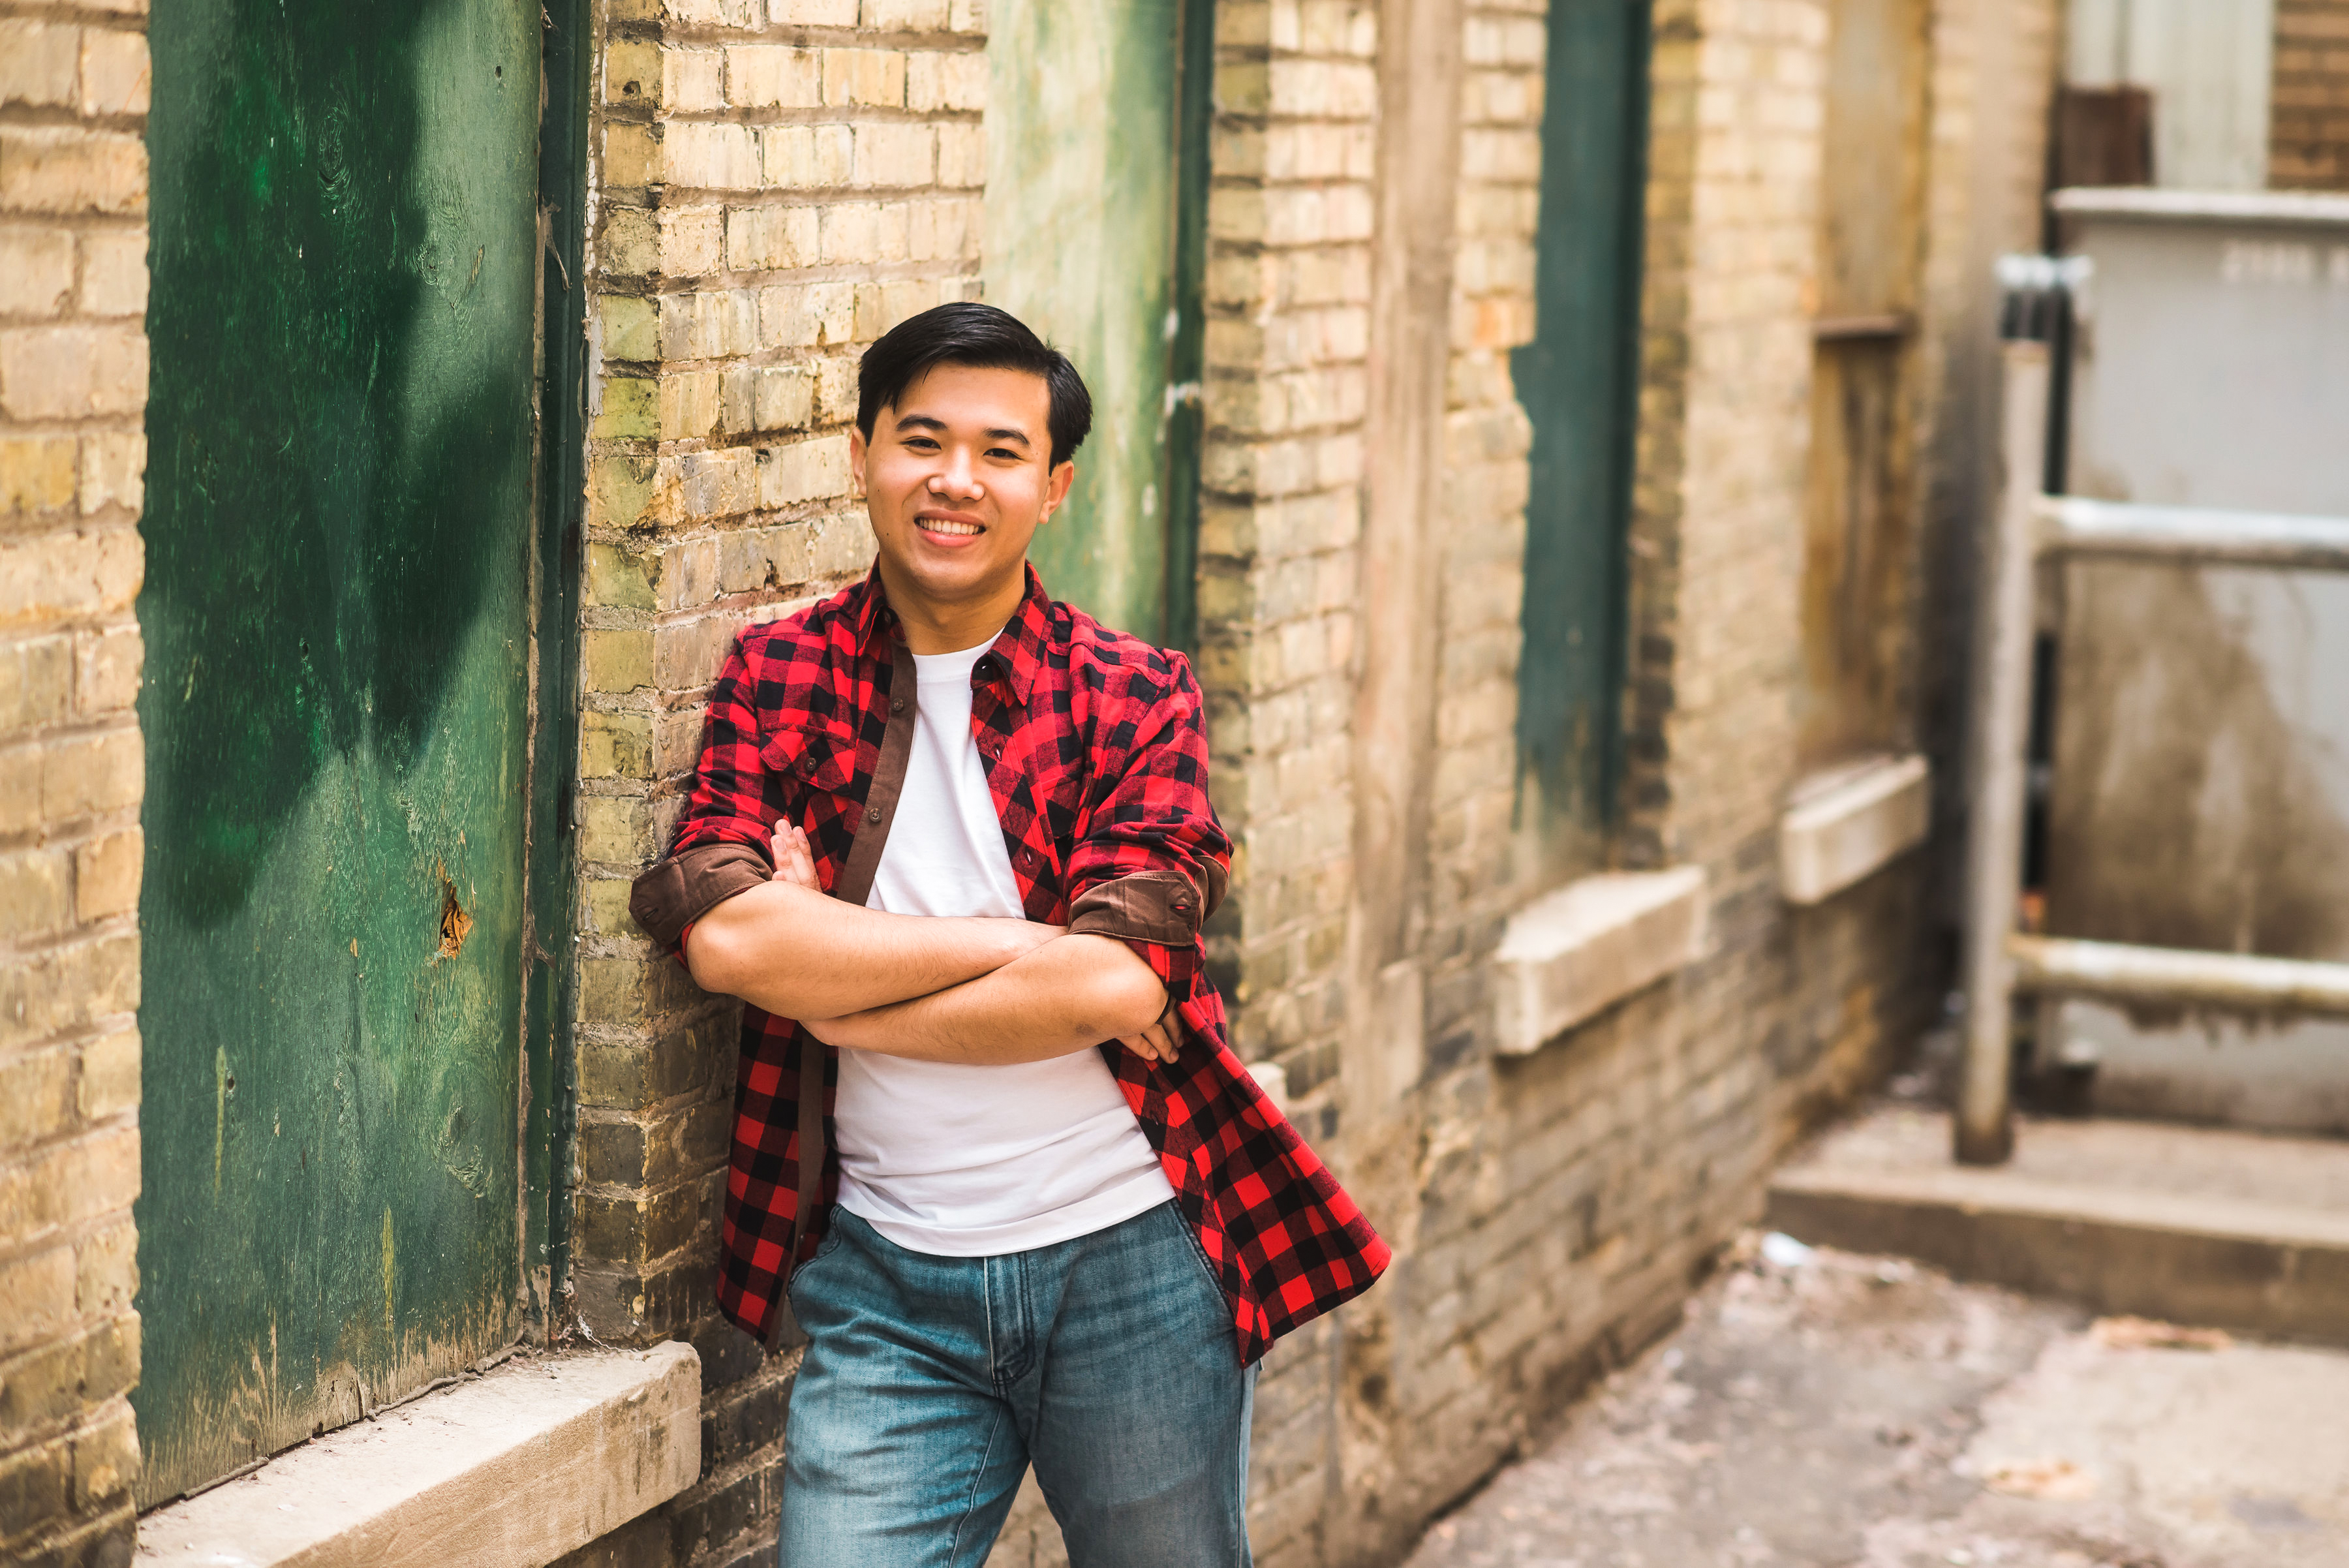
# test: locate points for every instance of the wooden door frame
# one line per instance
(550, 1108)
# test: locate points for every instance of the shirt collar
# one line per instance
(1018, 648)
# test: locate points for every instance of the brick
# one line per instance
(105, 1460)
(113, 471)
(63, 1184)
(616, 661)
(962, 156)
(615, 746)
(615, 830)
(693, 79)
(630, 241)
(92, 775)
(632, 156)
(52, 1384)
(35, 1486)
(106, 1268)
(812, 13)
(905, 15)
(630, 411)
(49, 170)
(632, 71)
(769, 238)
(109, 1075)
(36, 474)
(66, 575)
(626, 328)
(935, 82)
(37, 1297)
(39, 685)
(891, 154)
(773, 76)
(107, 665)
(809, 157)
(40, 63)
(37, 1095)
(72, 372)
(33, 899)
(37, 268)
(106, 875)
(619, 488)
(871, 77)
(691, 240)
(711, 157)
(115, 79)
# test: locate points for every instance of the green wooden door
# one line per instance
(1578, 380)
(339, 536)
(1095, 232)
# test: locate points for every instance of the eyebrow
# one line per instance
(925, 422)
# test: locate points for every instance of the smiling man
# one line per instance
(950, 841)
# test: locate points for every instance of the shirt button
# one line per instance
(896, 705)
(872, 814)
(985, 669)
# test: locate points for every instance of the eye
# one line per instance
(921, 444)
(1003, 452)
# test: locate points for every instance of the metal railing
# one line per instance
(2001, 961)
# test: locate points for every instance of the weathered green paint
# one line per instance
(1083, 243)
(340, 534)
(1578, 380)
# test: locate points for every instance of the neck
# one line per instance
(948, 625)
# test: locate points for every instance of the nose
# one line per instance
(955, 480)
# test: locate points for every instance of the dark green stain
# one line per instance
(340, 529)
(1579, 381)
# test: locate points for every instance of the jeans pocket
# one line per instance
(824, 1249)
(1198, 1254)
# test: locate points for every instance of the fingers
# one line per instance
(1162, 1042)
(794, 858)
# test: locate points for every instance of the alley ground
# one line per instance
(1848, 1411)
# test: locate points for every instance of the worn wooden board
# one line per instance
(1858, 539)
(1081, 243)
(339, 528)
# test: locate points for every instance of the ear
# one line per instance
(1056, 489)
(856, 462)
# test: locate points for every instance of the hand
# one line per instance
(794, 861)
(1162, 1042)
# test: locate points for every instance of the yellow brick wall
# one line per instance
(73, 387)
(773, 184)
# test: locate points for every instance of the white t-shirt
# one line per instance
(969, 1161)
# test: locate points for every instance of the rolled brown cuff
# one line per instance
(1160, 907)
(682, 888)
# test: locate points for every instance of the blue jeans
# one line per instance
(931, 1383)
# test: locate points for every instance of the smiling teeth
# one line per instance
(939, 526)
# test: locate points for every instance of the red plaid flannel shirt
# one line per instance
(1097, 759)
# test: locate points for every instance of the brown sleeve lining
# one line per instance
(1160, 907)
(682, 888)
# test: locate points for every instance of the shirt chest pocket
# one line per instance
(1060, 796)
(810, 759)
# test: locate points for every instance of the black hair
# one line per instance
(984, 338)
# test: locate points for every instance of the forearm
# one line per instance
(1067, 994)
(798, 953)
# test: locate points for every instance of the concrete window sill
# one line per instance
(511, 1471)
(1573, 953)
(1843, 826)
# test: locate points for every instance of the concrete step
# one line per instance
(2240, 1230)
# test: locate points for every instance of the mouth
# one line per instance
(952, 531)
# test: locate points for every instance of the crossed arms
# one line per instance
(985, 991)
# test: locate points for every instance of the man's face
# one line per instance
(957, 477)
